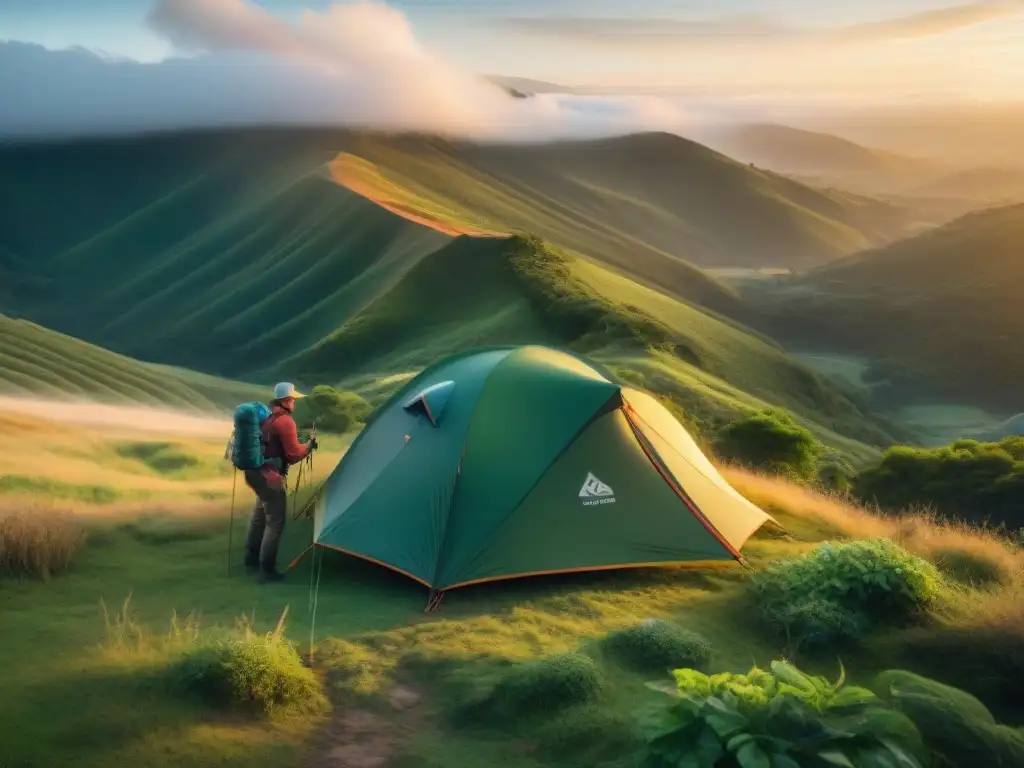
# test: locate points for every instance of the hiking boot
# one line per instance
(270, 577)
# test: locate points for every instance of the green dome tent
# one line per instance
(516, 461)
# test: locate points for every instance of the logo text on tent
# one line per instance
(595, 492)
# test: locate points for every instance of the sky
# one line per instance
(402, 61)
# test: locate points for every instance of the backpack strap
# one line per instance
(267, 437)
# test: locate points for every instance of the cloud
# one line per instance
(356, 64)
(643, 31)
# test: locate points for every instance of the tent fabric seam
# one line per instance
(674, 483)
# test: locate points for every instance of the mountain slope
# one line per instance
(822, 158)
(479, 292)
(943, 307)
(37, 362)
(653, 195)
(323, 256)
(991, 185)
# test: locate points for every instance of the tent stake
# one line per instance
(434, 600)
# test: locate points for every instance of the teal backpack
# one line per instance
(247, 443)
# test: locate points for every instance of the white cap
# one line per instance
(286, 389)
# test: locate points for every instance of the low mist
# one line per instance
(355, 64)
(121, 417)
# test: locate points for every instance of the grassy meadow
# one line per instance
(190, 264)
(98, 642)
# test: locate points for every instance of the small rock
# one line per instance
(403, 698)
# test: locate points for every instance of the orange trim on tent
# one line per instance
(589, 569)
(299, 556)
(628, 411)
(369, 559)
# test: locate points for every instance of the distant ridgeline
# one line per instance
(334, 254)
(941, 312)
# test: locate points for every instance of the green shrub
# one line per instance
(772, 441)
(655, 646)
(253, 672)
(546, 685)
(779, 719)
(836, 475)
(333, 410)
(956, 727)
(980, 481)
(839, 591)
(590, 735)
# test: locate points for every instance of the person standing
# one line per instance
(281, 449)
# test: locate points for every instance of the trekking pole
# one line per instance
(231, 519)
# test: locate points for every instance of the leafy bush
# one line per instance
(839, 591)
(772, 441)
(590, 735)
(333, 410)
(956, 727)
(546, 685)
(252, 671)
(779, 719)
(981, 481)
(836, 475)
(655, 646)
(36, 540)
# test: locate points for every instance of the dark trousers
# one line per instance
(267, 523)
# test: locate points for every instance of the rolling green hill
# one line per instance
(478, 292)
(942, 310)
(335, 256)
(627, 197)
(36, 362)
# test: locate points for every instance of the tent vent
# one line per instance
(431, 401)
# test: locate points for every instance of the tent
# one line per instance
(515, 461)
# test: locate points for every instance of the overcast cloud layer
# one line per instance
(355, 64)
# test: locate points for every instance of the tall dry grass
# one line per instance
(976, 640)
(971, 555)
(36, 539)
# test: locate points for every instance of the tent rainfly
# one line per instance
(516, 461)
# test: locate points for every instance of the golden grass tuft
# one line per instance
(970, 555)
(36, 540)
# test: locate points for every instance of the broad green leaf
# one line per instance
(750, 755)
(692, 760)
(783, 761)
(726, 724)
(663, 687)
(738, 741)
(709, 746)
(790, 675)
(834, 757)
(904, 759)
